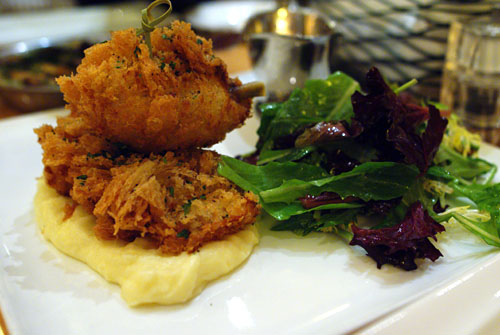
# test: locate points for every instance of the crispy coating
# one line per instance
(176, 199)
(180, 98)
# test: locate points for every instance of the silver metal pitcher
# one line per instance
(289, 46)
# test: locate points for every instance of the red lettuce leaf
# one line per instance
(338, 162)
(381, 207)
(390, 123)
(401, 244)
(433, 135)
(311, 201)
(419, 150)
(437, 208)
(323, 132)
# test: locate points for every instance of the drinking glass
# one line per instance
(471, 76)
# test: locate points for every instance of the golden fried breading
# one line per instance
(176, 199)
(180, 98)
(74, 155)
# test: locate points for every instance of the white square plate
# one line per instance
(290, 284)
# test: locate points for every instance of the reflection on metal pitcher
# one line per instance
(289, 46)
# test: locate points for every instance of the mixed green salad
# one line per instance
(331, 155)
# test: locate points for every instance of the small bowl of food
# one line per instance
(28, 71)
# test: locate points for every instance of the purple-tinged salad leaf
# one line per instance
(381, 207)
(415, 114)
(391, 125)
(338, 162)
(432, 136)
(323, 132)
(419, 150)
(312, 201)
(401, 244)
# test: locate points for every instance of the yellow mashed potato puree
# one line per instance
(144, 274)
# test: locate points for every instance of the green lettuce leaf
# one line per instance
(279, 194)
(462, 166)
(260, 178)
(312, 222)
(484, 197)
(284, 155)
(284, 211)
(368, 181)
(319, 100)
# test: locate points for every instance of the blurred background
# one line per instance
(405, 39)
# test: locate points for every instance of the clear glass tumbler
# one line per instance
(471, 76)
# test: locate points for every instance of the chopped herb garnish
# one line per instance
(203, 197)
(189, 182)
(187, 207)
(172, 65)
(171, 190)
(164, 160)
(166, 37)
(162, 66)
(184, 233)
(199, 41)
(82, 177)
(137, 51)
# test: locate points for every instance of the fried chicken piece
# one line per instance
(180, 98)
(176, 199)
(74, 155)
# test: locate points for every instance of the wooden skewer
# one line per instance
(250, 90)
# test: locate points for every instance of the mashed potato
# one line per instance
(144, 274)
